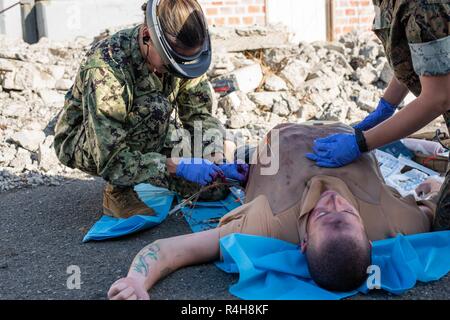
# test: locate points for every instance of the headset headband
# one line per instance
(188, 67)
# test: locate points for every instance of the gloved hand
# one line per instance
(235, 171)
(196, 170)
(335, 151)
(384, 111)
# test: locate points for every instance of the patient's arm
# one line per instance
(163, 257)
(429, 188)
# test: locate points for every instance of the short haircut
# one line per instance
(339, 263)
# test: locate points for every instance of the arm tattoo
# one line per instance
(140, 264)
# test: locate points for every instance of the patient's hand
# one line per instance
(128, 289)
(429, 187)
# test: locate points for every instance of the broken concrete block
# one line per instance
(336, 111)
(356, 115)
(57, 72)
(281, 108)
(236, 102)
(308, 112)
(266, 100)
(254, 38)
(275, 83)
(238, 121)
(28, 76)
(63, 84)
(29, 139)
(15, 110)
(247, 79)
(51, 97)
(366, 100)
(22, 160)
(7, 154)
(295, 73)
(324, 82)
(294, 104)
(367, 75)
(370, 51)
(47, 158)
(386, 73)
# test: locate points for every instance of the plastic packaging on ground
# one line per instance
(425, 147)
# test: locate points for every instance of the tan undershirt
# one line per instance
(380, 221)
(280, 209)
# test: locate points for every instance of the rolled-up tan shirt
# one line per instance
(278, 205)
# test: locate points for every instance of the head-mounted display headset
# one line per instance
(181, 66)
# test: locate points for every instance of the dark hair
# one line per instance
(183, 23)
(340, 263)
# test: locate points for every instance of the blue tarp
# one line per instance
(108, 227)
(205, 215)
(272, 269)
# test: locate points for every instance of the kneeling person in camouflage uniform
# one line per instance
(116, 119)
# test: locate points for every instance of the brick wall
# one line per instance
(235, 12)
(349, 15)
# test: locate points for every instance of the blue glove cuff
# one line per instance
(386, 104)
(179, 168)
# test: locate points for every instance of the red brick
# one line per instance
(212, 11)
(248, 21)
(234, 21)
(226, 10)
(254, 9)
(219, 21)
(347, 29)
(367, 20)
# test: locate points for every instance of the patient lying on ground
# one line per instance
(332, 214)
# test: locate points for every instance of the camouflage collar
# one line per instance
(138, 60)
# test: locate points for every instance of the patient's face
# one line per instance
(333, 215)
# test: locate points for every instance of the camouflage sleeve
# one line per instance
(195, 102)
(428, 35)
(69, 120)
(106, 99)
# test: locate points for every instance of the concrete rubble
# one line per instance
(264, 85)
(33, 82)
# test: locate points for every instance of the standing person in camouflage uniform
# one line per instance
(116, 121)
(416, 38)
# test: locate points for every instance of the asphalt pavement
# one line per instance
(41, 232)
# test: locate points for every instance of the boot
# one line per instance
(442, 215)
(442, 218)
(123, 202)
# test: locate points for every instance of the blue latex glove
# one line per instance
(196, 170)
(384, 111)
(335, 151)
(235, 171)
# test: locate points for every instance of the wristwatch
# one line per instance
(361, 141)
